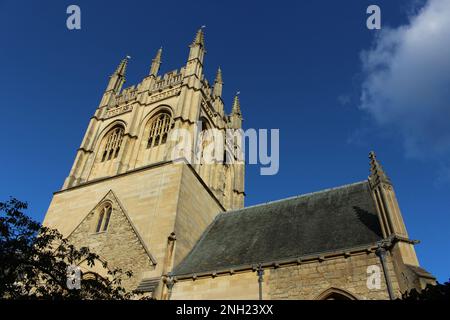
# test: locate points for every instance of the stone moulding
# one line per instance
(116, 111)
(280, 263)
(163, 95)
(156, 164)
(387, 243)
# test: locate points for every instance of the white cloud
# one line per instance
(406, 84)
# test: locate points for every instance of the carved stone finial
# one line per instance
(156, 62)
(377, 174)
(236, 105)
(158, 55)
(199, 39)
(122, 66)
(219, 76)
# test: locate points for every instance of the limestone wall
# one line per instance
(118, 245)
(196, 210)
(159, 199)
(304, 281)
(239, 286)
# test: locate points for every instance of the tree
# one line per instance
(438, 291)
(35, 261)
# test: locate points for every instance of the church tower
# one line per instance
(141, 174)
(140, 125)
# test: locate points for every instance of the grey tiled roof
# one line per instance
(148, 285)
(329, 220)
(420, 272)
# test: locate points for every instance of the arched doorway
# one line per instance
(335, 294)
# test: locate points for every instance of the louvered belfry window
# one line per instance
(159, 129)
(113, 142)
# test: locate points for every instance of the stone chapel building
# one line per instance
(182, 228)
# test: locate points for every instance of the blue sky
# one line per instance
(309, 68)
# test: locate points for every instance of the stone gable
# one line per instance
(120, 244)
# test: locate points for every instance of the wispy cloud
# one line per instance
(406, 86)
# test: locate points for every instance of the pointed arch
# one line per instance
(106, 130)
(160, 108)
(108, 149)
(103, 216)
(111, 143)
(153, 136)
(158, 130)
(96, 270)
(228, 186)
(333, 293)
(206, 124)
(205, 137)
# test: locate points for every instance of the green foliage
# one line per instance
(35, 260)
(431, 292)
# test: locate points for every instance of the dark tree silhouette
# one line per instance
(431, 292)
(35, 259)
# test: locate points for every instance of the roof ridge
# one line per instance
(294, 197)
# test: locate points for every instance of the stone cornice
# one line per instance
(312, 258)
(387, 243)
(118, 110)
(150, 166)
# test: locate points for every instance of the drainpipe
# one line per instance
(168, 263)
(381, 253)
(169, 283)
(260, 272)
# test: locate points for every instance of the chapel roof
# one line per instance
(324, 221)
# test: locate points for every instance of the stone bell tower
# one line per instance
(141, 124)
(132, 183)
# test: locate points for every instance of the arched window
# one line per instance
(159, 129)
(206, 137)
(205, 125)
(104, 217)
(113, 142)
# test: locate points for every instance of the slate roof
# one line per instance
(148, 285)
(324, 221)
(420, 272)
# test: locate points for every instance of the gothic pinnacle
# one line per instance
(236, 105)
(158, 55)
(377, 173)
(122, 66)
(199, 39)
(219, 76)
(156, 62)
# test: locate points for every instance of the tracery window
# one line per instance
(103, 218)
(113, 142)
(159, 129)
